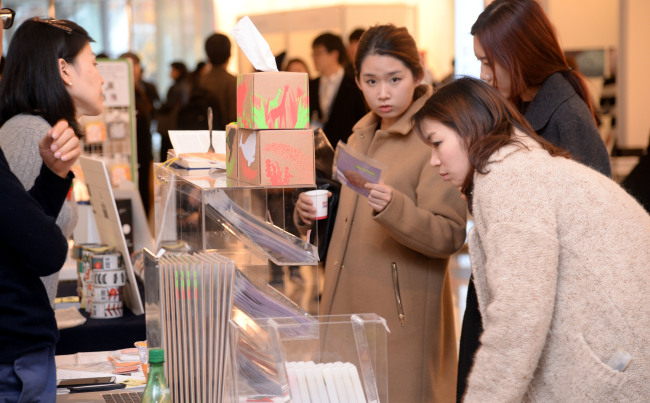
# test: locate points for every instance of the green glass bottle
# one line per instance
(156, 390)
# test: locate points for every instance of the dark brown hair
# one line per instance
(388, 40)
(484, 120)
(332, 42)
(518, 35)
(217, 48)
(32, 81)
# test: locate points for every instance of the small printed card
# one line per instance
(354, 169)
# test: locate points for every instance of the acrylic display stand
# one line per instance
(334, 359)
(272, 342)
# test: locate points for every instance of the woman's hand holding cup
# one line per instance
(312, 205)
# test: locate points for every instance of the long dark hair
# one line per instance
(482, 117)
(389, 40)
(32, 81)
(518, 35)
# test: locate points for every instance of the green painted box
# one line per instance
(273, 100)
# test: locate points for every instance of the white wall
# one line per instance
(584, 24)
(294, 31)
(580, 24)
(619, 24)
(434, 23)
(436, 34)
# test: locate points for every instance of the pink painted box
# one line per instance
(273, 157)
(273, 100)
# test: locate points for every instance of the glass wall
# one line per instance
(158, 31)
(24, 9)
(103, 19)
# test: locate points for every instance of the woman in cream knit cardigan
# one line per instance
(559, 255)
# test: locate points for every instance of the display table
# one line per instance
(102, 334)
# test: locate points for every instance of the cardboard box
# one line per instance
(273, 100)
(231, 151)
(274, 157)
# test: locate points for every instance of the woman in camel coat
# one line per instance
(388, 253)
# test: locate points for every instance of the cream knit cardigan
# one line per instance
(561, 260)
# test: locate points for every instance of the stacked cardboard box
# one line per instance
(271, 144)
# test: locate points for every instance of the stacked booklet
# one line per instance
(195, 305)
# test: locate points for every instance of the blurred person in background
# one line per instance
(144, 114)
(351, 49)
(177, 96)
(221, 85)
(297, 65)
(335, 101)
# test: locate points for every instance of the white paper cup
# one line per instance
(319, 198)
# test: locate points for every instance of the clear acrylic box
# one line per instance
(183, 213)
(188, 206)
(284, 359)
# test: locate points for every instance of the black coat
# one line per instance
(347, 109)
(559, 115)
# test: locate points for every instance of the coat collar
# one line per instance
(553, 93)
(522, 139)
(403, 125)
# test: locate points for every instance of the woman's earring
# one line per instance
(70, 83)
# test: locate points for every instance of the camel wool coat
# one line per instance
(419, 229)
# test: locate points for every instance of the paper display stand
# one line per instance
(109, 225)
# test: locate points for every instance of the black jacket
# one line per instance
(32, 246)
(347, 108)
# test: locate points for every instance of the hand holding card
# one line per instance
(355, 170)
